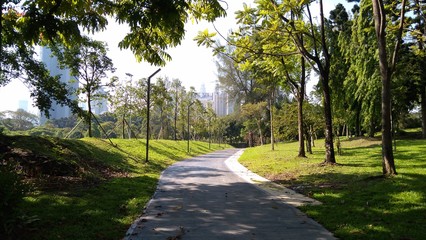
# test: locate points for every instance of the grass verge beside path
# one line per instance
(358, 203)
(97, 190)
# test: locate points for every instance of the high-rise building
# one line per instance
(23, 104)
(223, 104)
(100, 105)
(57, 111)
(220, 101)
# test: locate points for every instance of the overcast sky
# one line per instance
(191, 64)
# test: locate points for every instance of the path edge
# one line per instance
(279, 192)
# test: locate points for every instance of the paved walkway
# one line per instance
(200, 198)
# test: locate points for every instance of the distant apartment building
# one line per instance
(220, 101)
(100, 105)
(57, 111)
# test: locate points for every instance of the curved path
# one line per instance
(200, 198)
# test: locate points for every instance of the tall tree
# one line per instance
(90, 65)
(303, 33)
(176, 90)
(387, 66)
(419, 34)
(161, 99)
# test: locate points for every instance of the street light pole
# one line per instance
(148, 103)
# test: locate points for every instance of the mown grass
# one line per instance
(114, 184)
(358, 203)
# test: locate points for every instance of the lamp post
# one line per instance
(148, 103)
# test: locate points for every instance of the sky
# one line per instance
(192, 65)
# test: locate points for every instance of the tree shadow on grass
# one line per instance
(364, 206)
(102, 212)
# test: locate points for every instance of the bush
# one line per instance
(12, 192)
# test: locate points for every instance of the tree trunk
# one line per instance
(271, 108)
(260, 135)
(329, 148)
(423, 110)
(388, 165)
(372, 128)
(89, 117)
(325, 76)
(300, 99)
(422, 21)
(308, 140)
(358, 121)
(175, 117)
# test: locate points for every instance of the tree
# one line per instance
(176, 90)
(362, 81)
(89, 64)
(387, 67)
(19, 120)
(419, 33)
(154, 27)
(254, 115)
(304, 35)
(161, 99)
(17, 59)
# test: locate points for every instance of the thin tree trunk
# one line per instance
(358, 132)
(308, 140)
(271, 107)
(300, 99)
(89, 117)
(175, 118)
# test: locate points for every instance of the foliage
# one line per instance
(19, 120)
(12, 192)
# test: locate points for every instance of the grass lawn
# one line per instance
(102, 189)
(358, 203)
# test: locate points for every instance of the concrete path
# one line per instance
(200, 198)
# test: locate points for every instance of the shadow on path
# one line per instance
(200, 198)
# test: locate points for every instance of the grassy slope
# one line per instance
(103, 188)
(357, 202)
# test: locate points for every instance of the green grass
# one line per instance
(99, 189)
(358, 203)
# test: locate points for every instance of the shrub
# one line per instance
(12, 192)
